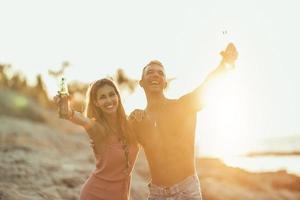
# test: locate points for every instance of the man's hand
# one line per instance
(137, 115)
(230, 55)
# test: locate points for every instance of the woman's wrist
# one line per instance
(71, 114)
(79, 119)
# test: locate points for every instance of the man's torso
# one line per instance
(167, 136)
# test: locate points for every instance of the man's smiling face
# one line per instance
(154, 78)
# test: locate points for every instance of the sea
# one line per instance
(269, 155)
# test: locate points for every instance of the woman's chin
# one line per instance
(110, 112)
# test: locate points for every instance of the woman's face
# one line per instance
(107, 100)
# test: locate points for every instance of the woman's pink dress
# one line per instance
(110, 180)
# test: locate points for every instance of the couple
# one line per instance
(165, 130)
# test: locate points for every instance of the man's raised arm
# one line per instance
(194, 101)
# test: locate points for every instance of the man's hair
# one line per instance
(152, 62)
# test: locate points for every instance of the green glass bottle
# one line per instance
(64, 99)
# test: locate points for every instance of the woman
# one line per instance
(113, 142)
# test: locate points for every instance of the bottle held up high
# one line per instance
(64, 99)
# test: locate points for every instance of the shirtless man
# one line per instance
(167, 131)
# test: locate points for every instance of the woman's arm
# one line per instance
(91, 126)
(79, 119)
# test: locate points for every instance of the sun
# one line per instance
(224, 111)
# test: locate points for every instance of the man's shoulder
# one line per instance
(178, 103)
(173, 102)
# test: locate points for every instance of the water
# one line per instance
(265, 163)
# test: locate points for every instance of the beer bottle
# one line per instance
(64, 99)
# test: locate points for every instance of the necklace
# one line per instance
(159, 109)
(152, 119)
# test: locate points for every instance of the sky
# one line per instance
(260, 98)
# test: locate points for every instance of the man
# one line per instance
(167, 132)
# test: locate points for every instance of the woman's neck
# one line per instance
(111, 120)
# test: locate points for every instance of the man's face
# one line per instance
(154, 78)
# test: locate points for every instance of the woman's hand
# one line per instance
(57, 100)
(137, 115)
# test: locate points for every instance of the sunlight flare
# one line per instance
(225, 109)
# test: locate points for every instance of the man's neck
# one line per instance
(154, 101)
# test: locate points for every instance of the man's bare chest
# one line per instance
(160, 128)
